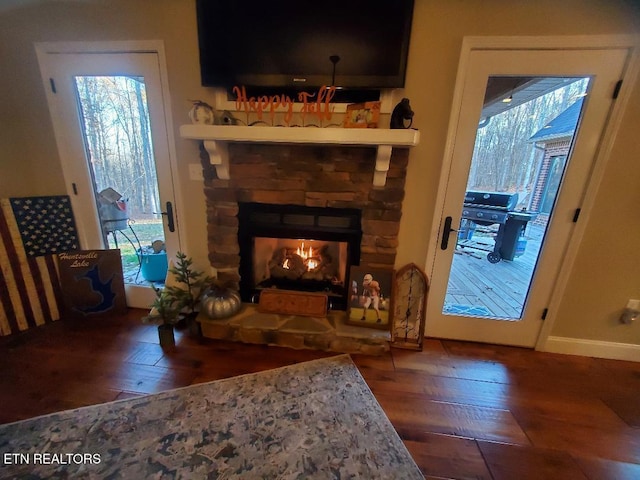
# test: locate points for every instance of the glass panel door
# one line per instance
(110, 116)
(526, 125)
(523, 142)
(117, 134)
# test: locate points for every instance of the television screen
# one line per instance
(293, 43)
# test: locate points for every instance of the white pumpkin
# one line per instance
(201, 113)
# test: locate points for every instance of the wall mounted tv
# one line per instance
(353, 44)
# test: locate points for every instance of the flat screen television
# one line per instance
(352, 44)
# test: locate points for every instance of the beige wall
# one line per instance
(607, 268)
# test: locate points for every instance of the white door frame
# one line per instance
(137, 46)
(632, 42)
(137, 295)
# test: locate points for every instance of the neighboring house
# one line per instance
(555, 139)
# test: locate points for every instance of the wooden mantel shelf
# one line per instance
(216, 137)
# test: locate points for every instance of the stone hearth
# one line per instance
(329, 334)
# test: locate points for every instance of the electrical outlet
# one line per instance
(631, 313)
(195, 171)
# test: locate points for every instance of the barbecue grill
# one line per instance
(489, 208)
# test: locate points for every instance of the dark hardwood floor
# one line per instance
(464, 410)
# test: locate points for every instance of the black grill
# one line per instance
(502, 201)
(489, 208)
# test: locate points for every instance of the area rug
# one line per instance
(316, 419)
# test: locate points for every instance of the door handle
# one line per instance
(169, 214)
(446, 231)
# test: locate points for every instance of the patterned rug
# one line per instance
(316, 419)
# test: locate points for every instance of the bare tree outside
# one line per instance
(120, 151)
(503, 158)
(119, 139)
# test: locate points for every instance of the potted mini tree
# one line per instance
(179, 300)
(164, 312)
(186, 287)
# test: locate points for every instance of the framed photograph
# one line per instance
(370, 297)
(362, 115)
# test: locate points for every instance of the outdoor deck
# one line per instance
(480, 288)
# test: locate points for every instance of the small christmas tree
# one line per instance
(163, 309)
(190, 285)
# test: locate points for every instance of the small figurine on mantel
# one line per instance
(402, 113)
(201, 113)
(225, 118)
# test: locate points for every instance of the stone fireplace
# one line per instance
(318, 200)
(310, 184)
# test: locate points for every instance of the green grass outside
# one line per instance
(146, 231)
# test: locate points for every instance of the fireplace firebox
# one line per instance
(296, 247)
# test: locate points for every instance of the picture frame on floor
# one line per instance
(370, 297)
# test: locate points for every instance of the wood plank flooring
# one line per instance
(464, 410)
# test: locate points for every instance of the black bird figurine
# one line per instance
(401, 113)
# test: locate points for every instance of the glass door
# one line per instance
(108, 111)
(528, 128)
(117, 135)
(526, 124)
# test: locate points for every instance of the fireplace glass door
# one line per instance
(298, 264)
(294, 247)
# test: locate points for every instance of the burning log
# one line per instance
(285, 265)
(302, 263)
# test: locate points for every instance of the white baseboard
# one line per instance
(593, 348)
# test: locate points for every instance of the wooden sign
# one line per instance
(318, 104)
(291, 302)
(92, 283)
(410, 306)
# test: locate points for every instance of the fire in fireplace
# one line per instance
(294, 247)
(297, 264)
